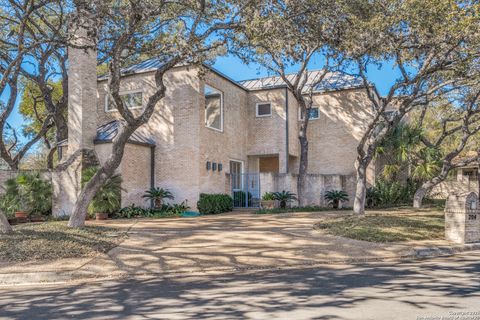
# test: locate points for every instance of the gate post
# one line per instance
(462, 218)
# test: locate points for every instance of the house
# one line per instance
(211, 134)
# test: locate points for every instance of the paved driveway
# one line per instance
(237, 241)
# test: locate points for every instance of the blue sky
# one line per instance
(237, 70)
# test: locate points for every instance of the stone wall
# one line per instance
(317, 185)
(445, 188)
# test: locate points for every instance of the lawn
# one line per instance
(387, 226)
(54, 240)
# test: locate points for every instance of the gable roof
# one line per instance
(333, 80)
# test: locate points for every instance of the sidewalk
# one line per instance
(227, 243)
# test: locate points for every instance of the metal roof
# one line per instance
(331, 81)
(107, 132)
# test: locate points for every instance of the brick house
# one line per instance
(211, 134)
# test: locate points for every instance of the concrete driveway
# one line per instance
(237, 241)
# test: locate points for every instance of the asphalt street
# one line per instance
(440, 288)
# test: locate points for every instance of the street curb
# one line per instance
(75, 276)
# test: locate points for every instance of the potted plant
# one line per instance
(284, 197)
(108, 199)
(335, 197)
(268, 200)
(156, 195)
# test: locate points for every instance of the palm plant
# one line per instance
(334, 197)
(284, 197)
(108, 199)
(157, 195)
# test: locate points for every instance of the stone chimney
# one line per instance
(82, 114)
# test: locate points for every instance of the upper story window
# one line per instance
(263, 109)
(213, 108)
(132, 100)
(313, 114)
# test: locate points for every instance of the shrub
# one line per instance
(129, 212)
(28, 192)
(108, 198)
(157, 195)
(284, 197)
(390, 193)
(214, 203)
(334, 197)
(268, 196)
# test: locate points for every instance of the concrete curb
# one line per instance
(79, 275)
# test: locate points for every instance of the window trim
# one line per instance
(263, 115)
(310, 119)
(123, 93)
(221, 109)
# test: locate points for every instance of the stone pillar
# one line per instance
(462, 218)
(82, 116)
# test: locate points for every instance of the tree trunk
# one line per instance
(419, 195)
(361, 188)
(478, 173)
(303, 166)
(77, 219)
(427, 186)
(5, 227)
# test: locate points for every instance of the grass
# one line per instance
(296, 209)
(387, 227)
(54, 240)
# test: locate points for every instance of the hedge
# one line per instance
(214, 203)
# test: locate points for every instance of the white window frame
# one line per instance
(263, 115)
(121, 93)
(241, 172)
(313, 107)
(221, 109)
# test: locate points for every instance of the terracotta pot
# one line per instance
(267, 204)
(101, 216)
(21, 214)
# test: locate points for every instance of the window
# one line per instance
(213, 108)
(132, 100)
(236, 174)
(313, 114)
(264, 109)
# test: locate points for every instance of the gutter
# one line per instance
(287, 151)
(152, 170)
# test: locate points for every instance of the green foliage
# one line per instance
(390, 193)
(27, 192)
(32, 106)
(214, 203)
(157, 195)
(108, 198)
(284, 197)
(166, 210)
(267, 196)
(334, 197)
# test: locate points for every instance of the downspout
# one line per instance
(287, 151)
(152, 171)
